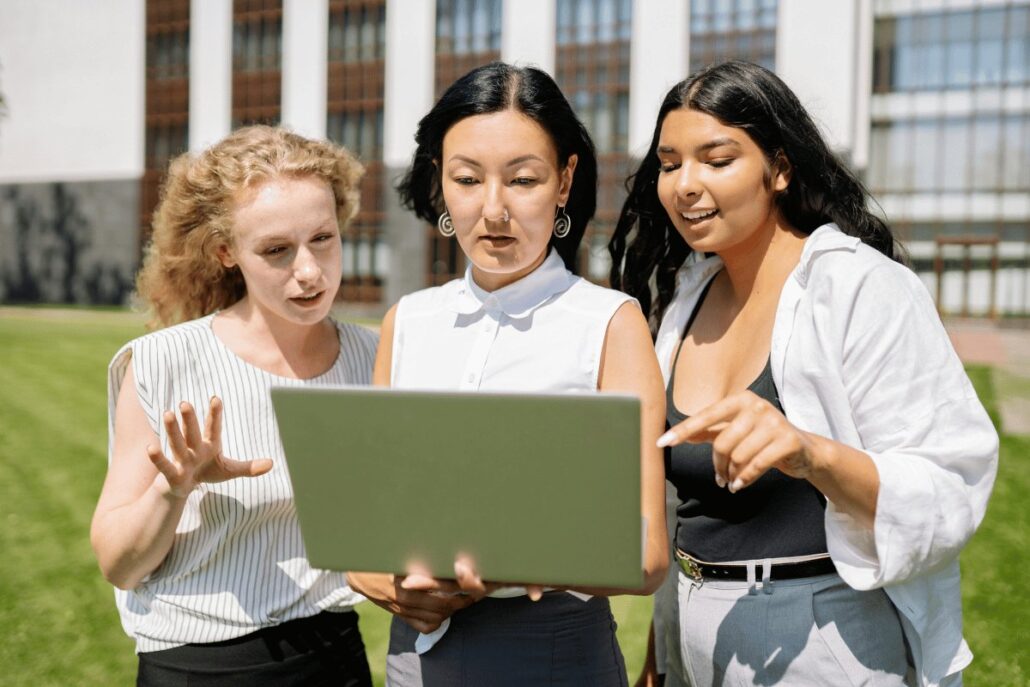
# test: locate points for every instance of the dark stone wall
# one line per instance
(69, 242)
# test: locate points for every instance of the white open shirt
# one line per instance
(859, 355)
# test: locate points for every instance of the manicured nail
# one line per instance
(736, 486)
(720, 481)
(666, 439)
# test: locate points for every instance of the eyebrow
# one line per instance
(714, 143)
(511, 163)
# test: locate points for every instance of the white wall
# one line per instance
(305, 70)
(528, 33)
(210, 72)
(659, 47)
(73, 79)
(817, 55)
(410, 64)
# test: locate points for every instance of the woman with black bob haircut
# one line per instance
(829, 453)
(494, 88)
(504, 166)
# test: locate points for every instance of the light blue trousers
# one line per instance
(809, 631)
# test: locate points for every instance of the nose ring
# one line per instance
(503, 218)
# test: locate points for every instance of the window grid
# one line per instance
(984, 47)
(732, 29)
(981, 154)
(257, 62)
(166, 109)
(593, 56)
(468, 35)
(357, 32)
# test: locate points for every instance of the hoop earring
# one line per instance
(445, 225)
(562, 223)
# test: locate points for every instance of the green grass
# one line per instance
(996, 601)
(57, 612)
(58, 615)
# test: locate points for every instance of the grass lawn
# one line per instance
(60, 625)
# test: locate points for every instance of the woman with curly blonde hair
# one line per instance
(205, 551)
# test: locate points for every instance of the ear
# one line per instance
(566, 179)
(781, 173)
(225, 256)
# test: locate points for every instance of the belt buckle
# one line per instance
(692, 569)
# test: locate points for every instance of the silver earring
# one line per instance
(562, 223)
(445, 225)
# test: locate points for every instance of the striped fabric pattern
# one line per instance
(237, 563)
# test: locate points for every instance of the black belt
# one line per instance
(698, 570)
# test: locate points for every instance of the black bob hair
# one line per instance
(645, 246)
(497, 87)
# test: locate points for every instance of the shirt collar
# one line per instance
(518, 299)
(824, 239)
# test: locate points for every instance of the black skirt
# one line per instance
(559, 640)
(325, 649)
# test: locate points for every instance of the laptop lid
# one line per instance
(541, 488)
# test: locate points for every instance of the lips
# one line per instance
(498, 240)
(698, 215)
(308, 300)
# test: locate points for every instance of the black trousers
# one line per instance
(325, 649)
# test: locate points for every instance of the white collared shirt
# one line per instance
(859, 355)
(543, 333)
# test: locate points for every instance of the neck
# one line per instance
(761, 264)
(282, 347)
(492, 281)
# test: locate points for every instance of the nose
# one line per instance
(687, 183)
(306, 269)
(494, 209)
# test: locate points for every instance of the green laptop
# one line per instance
(541, 488)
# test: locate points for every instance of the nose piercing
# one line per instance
(503, 218)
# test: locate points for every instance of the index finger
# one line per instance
(425, 583)
(703, 426)
(213, 425)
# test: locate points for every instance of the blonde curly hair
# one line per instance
(182, 277)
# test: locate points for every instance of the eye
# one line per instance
(669, 166)
(322, 238)
(523, 181)
(720, 162)
(465, 181)
(274, 250)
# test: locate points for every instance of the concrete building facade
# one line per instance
(928, 100)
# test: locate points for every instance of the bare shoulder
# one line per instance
(628, 358)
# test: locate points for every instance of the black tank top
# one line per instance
(775, 516)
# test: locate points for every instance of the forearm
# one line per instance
(131, 540)
(845, 476)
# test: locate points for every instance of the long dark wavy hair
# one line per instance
(497, 87)
(645, 245)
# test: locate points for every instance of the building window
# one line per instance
(357, 32)
(732, 29)
(468, 35)
(593, 72)
(952, 50)
(166, 109)
(985, 153)
(257, 47)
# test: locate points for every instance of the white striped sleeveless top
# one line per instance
(237, 562)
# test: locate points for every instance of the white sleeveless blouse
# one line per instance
(237, 562)
(543, 333)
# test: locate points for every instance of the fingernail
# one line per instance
(736, 486)
(666, 439)
(720, 481)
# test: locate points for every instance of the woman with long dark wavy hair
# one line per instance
(830, 455)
